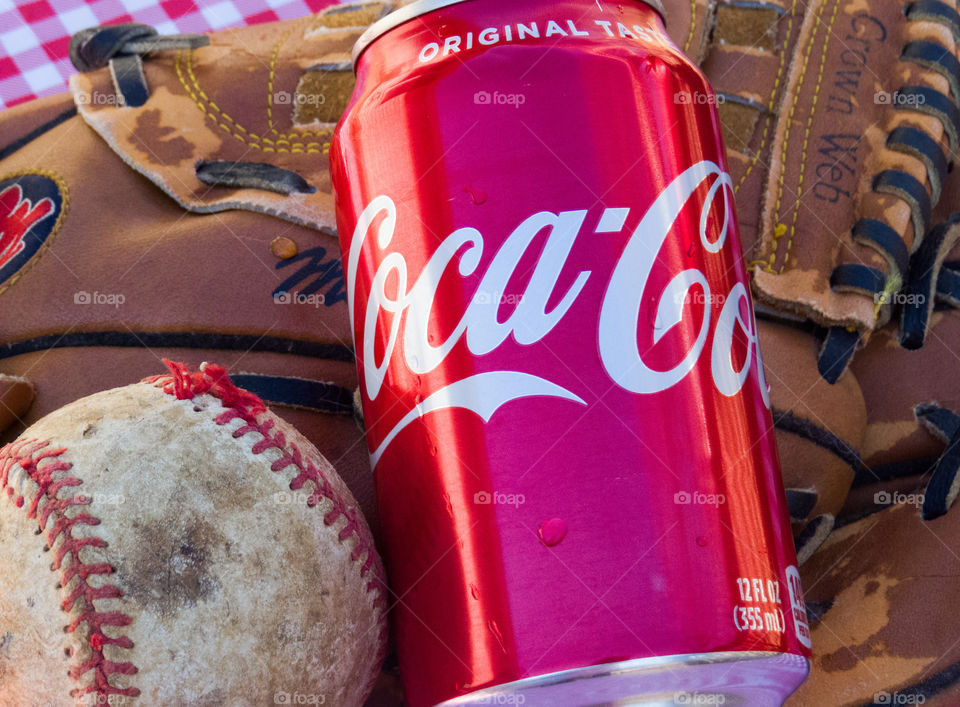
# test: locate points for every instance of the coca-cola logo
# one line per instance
(408, 303)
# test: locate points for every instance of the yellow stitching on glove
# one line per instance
(806, 134)
(693, 23)
(273, 68)
(768, 119)
(786, 137)
(248, 138)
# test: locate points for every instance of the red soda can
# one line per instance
(568, 423)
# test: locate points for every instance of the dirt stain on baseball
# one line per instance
(172, 567)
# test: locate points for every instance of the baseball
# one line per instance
(174, 542)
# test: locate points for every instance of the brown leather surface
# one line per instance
(176, 271)
(16, 394)
(871, 497)
(23, 118)
(748, 58)
(892, 585)
(828, 146)
(127, 258)
(196, 112)
(796, 388)
(689, 23)
(894, 380)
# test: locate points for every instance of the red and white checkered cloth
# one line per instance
(35, 34)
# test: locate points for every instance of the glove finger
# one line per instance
(881, 594)
(910, 396)
(819, 429)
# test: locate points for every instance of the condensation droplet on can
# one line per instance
(552, 531)
(474, 590)
(701, 541)
(477, 196)
(495, 630)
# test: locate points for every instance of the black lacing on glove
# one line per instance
(943, 486)
(923, 288)
(253, 175)
(121, 47)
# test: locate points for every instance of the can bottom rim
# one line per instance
(753, 678)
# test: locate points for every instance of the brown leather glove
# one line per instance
(16, 394)
(178, 204)
(819, 429)
(839, 117)
(881, 596)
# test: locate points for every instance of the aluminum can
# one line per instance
(564, 399)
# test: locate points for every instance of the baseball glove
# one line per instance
(178, 205)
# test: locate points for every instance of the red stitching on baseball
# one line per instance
(41, 462)
(212, 379)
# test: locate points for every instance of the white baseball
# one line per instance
(187, 564)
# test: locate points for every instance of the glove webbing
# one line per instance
(841, 342)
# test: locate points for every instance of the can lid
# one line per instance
(421, 7)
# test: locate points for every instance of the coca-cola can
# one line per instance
(564, 400)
